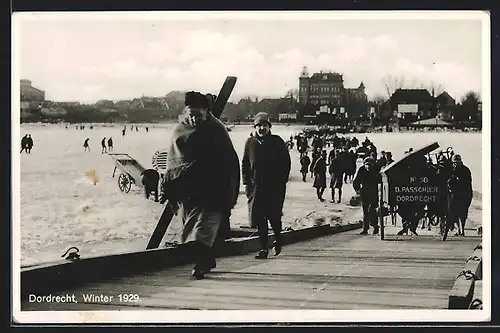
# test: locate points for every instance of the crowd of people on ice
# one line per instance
(203, 174)
(446, 170)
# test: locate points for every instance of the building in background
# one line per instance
(445, 105)
(31, 99)
(410, 105)
(323, 94)
(30, 93)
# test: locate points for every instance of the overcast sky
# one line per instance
(87, 58)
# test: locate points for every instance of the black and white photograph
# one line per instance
(289, 166)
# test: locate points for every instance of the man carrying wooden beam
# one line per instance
(201, 178)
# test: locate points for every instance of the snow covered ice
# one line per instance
(62, 207)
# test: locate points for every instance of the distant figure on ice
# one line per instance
(366, 185)
(315, 156)
(305, 161)
(86, 145)
(460, 188)
(202, 177)
(147, 129)
(110, 144)
(265, 169)
(382, 161)
(24, 143)
(352, 157)
(343, 160)
(29, 144)
(388, 155)
(137, 129)
(150, 180)
(336, 170)
(319, 171)
(103, 146)
(123, 131)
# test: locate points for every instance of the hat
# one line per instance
(457, 158)
(369, 160)
(197, 100)
(260, 118)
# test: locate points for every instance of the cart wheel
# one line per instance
(124, 183)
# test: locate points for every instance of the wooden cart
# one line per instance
(131, 171)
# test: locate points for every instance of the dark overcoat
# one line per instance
(265, 172)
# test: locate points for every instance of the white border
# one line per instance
(123, 317)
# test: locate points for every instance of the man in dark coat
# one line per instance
(24, 143)
(316, 154)
(336, 170)
(319, 171)
(103, 145)
(266, 169)
(29, 144)
(460, 187)
(110, 144)
(366, 184)
(305, 161)
(351, 165)
(150, 180)
(442, 173)
(202, 177)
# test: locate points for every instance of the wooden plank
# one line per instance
(66, 275)
(343, 271)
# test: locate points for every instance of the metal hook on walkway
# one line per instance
(468, 275)
(73, 255)
(476, 304)
(475, 258)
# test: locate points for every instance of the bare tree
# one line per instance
(379, 100)
(433, 88)
(392, 83)
(292, 94)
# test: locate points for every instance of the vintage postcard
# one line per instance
(238, 167)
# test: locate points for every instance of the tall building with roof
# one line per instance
(326, 91)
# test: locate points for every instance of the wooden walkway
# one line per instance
(342, 271)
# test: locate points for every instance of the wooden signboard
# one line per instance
(404, 182)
